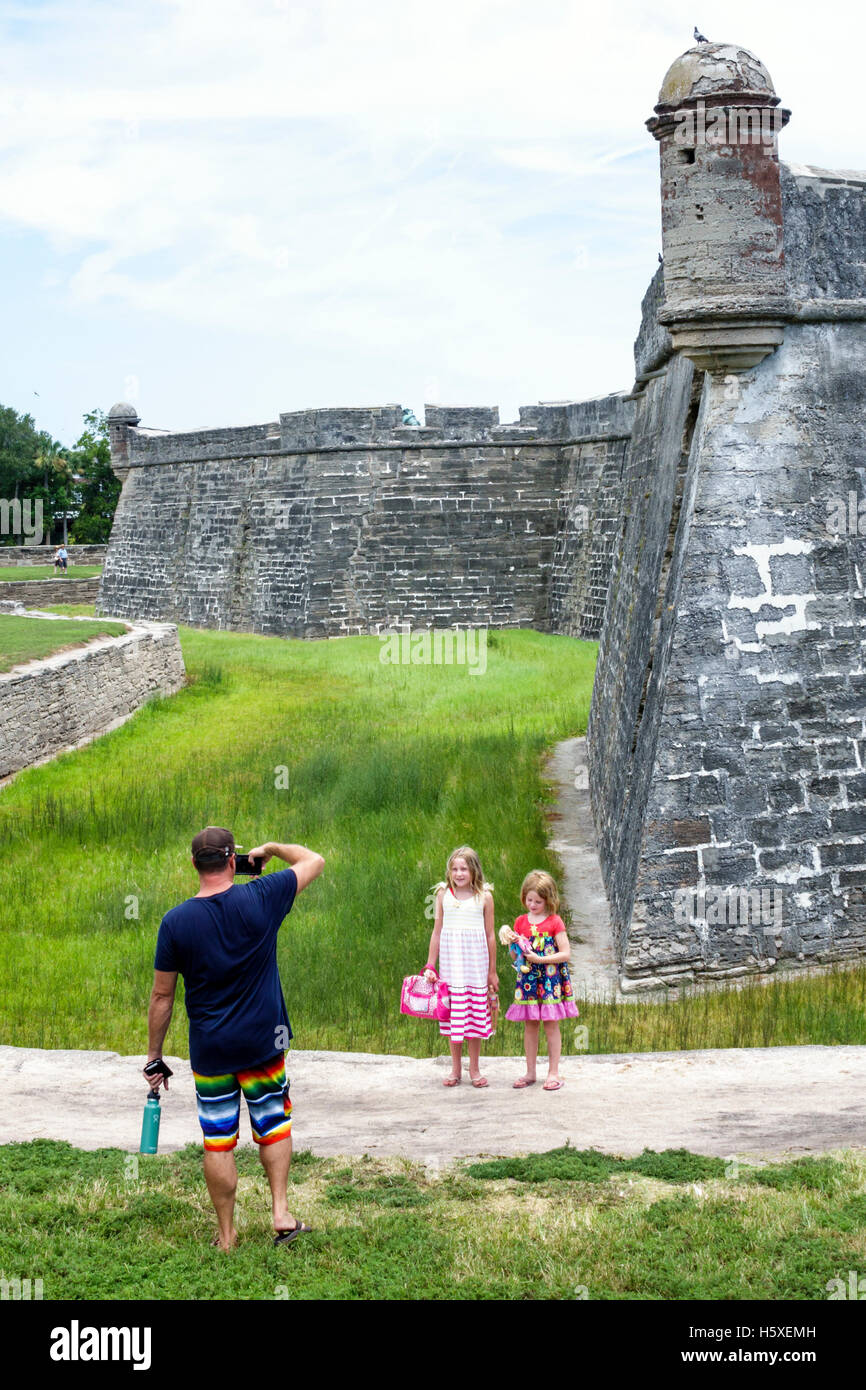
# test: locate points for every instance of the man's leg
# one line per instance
(276, 1159)
(218, 1099)
(266, 1090)
(221, 1176)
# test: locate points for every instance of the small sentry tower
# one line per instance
(717, 123)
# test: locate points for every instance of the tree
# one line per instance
(96, 487)
(19, 445)
(32, 465)
(74, 484)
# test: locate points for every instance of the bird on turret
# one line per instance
(699, 37)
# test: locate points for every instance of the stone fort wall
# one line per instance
(44, 554)
(709, 526)
(48, 707)
(726, 736)
(331, 522)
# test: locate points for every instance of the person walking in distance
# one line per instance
(223, 942)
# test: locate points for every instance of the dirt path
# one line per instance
(593, 961)
(753, 1102)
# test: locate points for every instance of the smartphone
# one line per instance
(245, 865)
(158, 1068)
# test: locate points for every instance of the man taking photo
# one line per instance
(224, 943)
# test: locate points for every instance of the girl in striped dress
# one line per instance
(463, 941)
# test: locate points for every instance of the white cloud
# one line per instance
(468, 187)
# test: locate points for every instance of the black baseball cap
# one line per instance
(213, 846)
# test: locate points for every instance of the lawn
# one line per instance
(71, 610)
(8, 572)
(28, 639)
(382, 768)
(568, 1225)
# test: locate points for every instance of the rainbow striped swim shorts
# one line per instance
(266, 1091)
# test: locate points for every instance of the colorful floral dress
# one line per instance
(543, 992)
(464, 963)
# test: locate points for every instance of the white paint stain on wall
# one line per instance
(794, 621)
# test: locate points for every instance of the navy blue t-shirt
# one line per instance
(225, 947)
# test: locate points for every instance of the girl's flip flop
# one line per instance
(520, 1083)
(553, 1085)
(480, 1081)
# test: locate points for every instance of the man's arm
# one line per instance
(305, 862)
(159, 1017)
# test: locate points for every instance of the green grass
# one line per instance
(805, 1174)
(390, 768)
(27, 639)
(71, 610)
(589, 1165)
(110, 1225)
(8, 572)
(785, 1011)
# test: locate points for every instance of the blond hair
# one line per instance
(540, 882)
(473, 864)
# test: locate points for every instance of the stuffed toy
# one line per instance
(534, 943)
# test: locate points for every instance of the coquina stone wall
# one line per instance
(347, 521)
(36, 593)
(590, 513)
(47, 707)
(44, 554)
(708, 526)
(727, 737)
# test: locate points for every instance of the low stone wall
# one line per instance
(44, 554)
(51, 706)
(36, 593)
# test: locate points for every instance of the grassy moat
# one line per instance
(384, 769)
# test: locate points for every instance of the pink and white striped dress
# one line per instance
(464, 962)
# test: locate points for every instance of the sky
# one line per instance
(220, 210)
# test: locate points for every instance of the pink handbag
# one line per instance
(425, 998)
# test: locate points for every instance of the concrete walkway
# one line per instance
(751, 1102)
(572, 837)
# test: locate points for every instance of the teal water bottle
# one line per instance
(150, 1124)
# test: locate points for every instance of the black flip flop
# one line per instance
(286, 1237)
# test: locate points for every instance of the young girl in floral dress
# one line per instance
(540, 948)
(464, 944)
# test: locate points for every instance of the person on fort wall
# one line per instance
(223, 942)
(464, 944)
